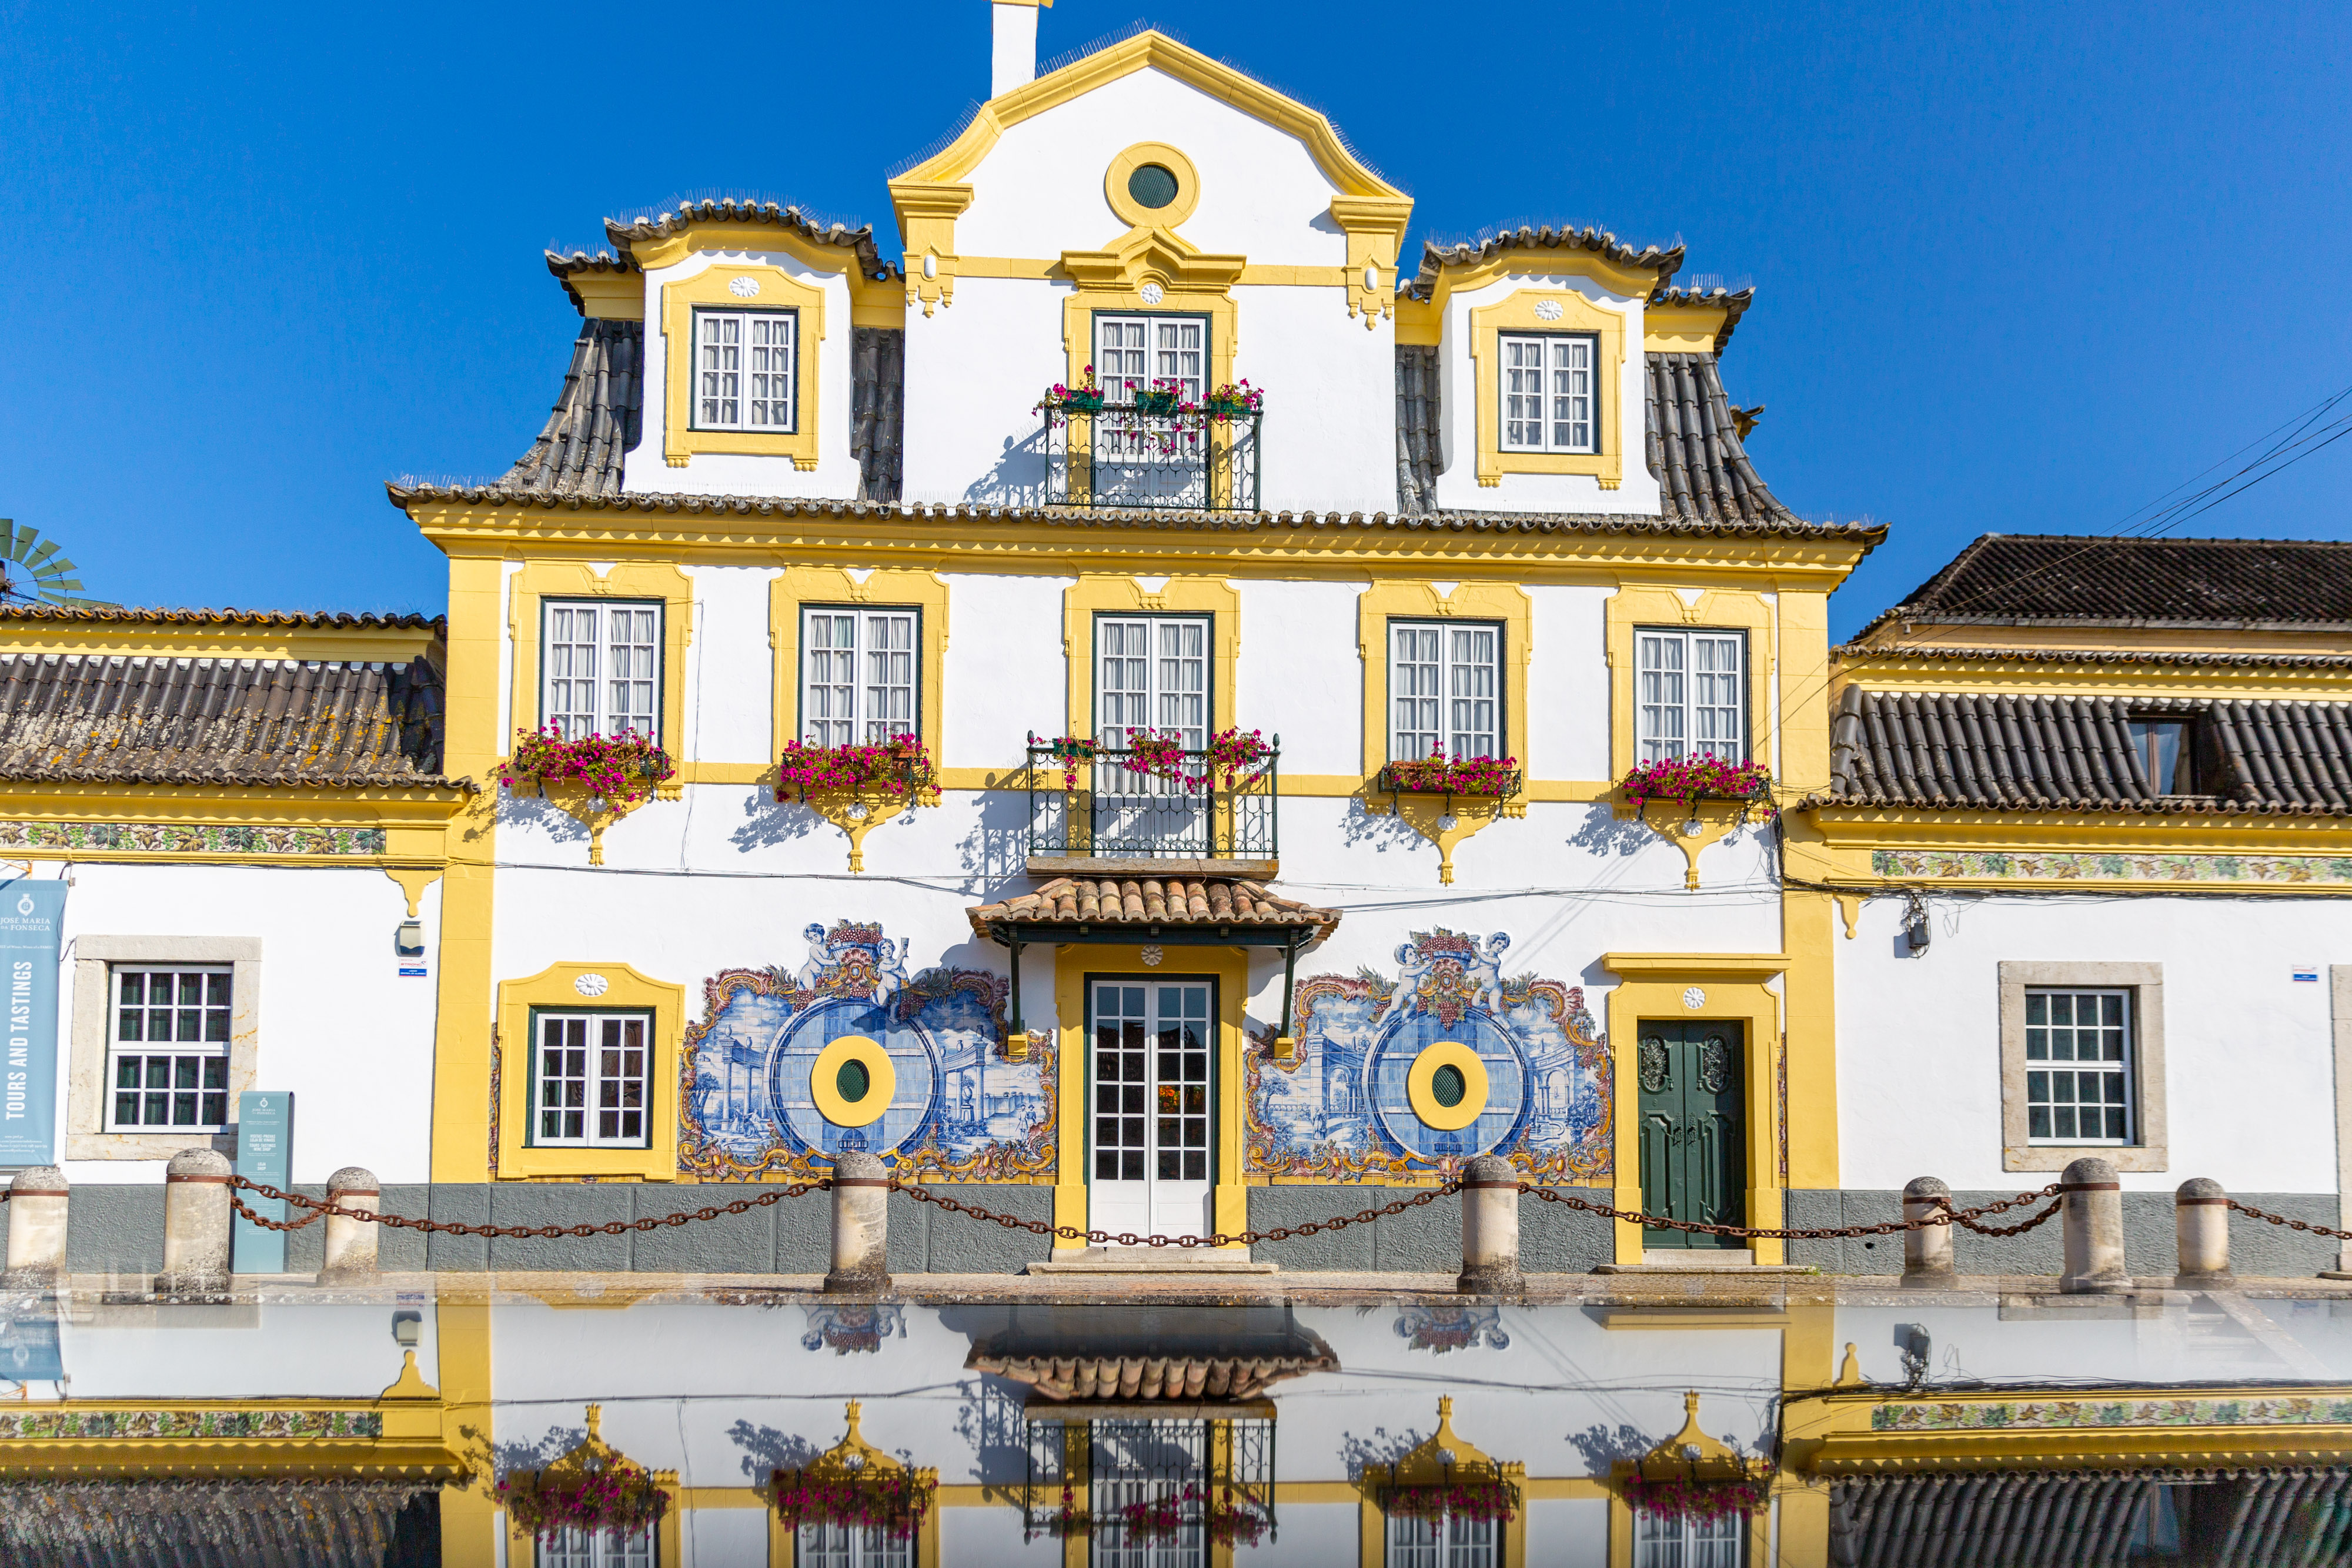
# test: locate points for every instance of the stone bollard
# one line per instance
(1928, 1251)
(196, 1224)
(351, 1243)
(1490, 1228)
(37, 1225)
(2200, 1218)
(861, 1226)
(2093, 1215)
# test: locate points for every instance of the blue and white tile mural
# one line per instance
(959, 1109)
(1341, 1112)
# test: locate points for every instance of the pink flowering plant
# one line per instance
(1690, 779)
(1438, 774)
(621, 769)
(899, 767)
(1468, 1496)
(597, 1494)
(1073, 752)
(1677, 1497)
(891, 1500)
(1084, 398)
(1161, 754)
(1236, 398)
(1224, 1520)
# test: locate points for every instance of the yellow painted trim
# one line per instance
(1419, 322)
(1652, 986)
(1419, 1085)
(1681, 328)
(1422, 1465)
(540, 580)
(470, 1524)
(1387, 600)
(464, 1028)
(797, 588)
(1191, 282)
(1639, 604)
(1095, 594)
(1577, 314)
(625, 990)
(610, 296)
(779, 290)
(1760, 1535)
(1375, 228)
(926, 213)
(882, 1081)
(1457, 277)
(182, 639)
(1229, 967)
(413, 881)
(1134, 212)
(741, 238)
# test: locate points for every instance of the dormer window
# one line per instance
(1548, 393)
(744, 369)
(2166, 752)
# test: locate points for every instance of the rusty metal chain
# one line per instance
(2250, 1212)
(1216, 1239)
(1945, 1214)
(321, 1209)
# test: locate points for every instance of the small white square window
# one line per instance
(602, 668)
(1687, 699)
(1445, 680)
(1549, 402)
(167, 1047)
(857, 675)
(2078, 1067)
(744, 366)
(592, 1081)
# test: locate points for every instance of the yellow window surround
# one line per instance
(1188, 281)
(796, 588)
(1707, 609)
(1097, 593)
(588, 988)
(1550, 310)
(774, 289)
(540, 581)
(1443, 1459)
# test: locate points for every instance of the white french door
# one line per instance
(1154, 1042)
(1146, 460)
(1151, 673)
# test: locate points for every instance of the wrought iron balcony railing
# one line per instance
(1131, 455)
(1099, 806)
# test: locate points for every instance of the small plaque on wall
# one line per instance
(265, 1152)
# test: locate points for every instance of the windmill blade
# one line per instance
(49, 575)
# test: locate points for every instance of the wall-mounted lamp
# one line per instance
(409, 942)
(407, 1329)
(1918, 928)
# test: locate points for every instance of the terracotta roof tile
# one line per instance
(1568, 236)
(2091, 579)
(725, 210)
(1151, 900)
(1168, 1377)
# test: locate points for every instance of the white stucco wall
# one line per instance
(733, 474)
(1329, 431)
(730, 686)
(249, 1351)
(340, 1028)
(976, 370)
(1004, 668)
(1564, 734)
(1458, 486)
(2249, 1079)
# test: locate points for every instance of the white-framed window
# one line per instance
(1688, 699)
(1444, 1541)
(835, 1545)
(567, 1548)
(1673, 1541)
(2078, 1066)
(167, 1047)
(1151, 673)
(2167, 751)
(1135, 353)
(592, 1080)
(1445, 683)
(744, 365)
(857, 673)
(602, 667)
(1548, 391)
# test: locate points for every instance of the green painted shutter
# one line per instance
(1693, 1147)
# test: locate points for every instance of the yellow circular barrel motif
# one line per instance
(854, 1066)
(1466, 1085)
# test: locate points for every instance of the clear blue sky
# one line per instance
(2020, 267)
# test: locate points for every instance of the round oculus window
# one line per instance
(1447, 1086)
(1153, 185)
(853, 1081)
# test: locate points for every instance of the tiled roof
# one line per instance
(123, 719)
(2070, 1516)
(567, 267)
(597, 417)
(1421, 427)
(1150, 901)
(1867, 653)
(877, 404)
(159, 616)
(1592, 241)
(2004, 578)
(727, 211)
(1694, 446)
(1981, 751)
(1181, 1378)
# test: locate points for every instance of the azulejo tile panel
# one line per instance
(1992, 865)
(1342, 1112)
(170, 838)
(2064, 1412)
(114, 1423)
(959, 1110)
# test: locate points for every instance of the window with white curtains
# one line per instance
(1549, 398)
(1151, 672)
(857, 673)
(1136, 353)
(564, 1547)
(1688, 696)
(601, 667)
(1445, 682)
(744, 365)
(1442, 1541)
(1674, 1541)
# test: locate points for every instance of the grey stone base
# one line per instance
(1553, 1240)
(119, 1229)
(2256, 1249)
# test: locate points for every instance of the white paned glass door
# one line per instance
(1152, 1131)
(1146, 1462)
(1151, 673)
(1158, 460)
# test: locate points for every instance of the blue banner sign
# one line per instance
(30, 914)
(265, 1152)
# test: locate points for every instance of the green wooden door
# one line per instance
(1694, 1142)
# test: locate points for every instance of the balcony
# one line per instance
(1101, 814)
(1152, 455)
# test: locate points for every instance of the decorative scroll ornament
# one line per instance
(1694, 1476)
(1715, 1066)
(743, 287)
(1654, 1066)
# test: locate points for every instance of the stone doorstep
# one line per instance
(1153, 1261)
(1659, 1270)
